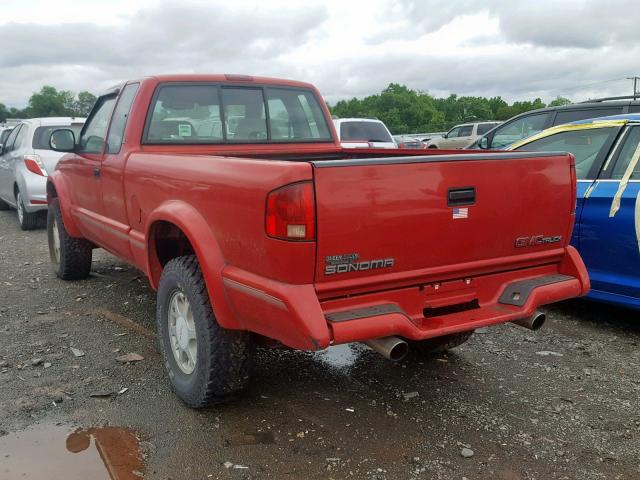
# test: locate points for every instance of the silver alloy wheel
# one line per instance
(182, 332)
(56, 239)
(20, 207)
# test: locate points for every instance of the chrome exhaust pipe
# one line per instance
(393, 348)
(534, 322)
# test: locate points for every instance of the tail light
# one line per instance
(34, 164)
(291, 212)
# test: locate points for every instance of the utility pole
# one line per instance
(635, 86)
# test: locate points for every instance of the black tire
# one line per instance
(27, 220)
(223, 358)
(433, 146)
(4, 205)
(441, 344)
(72, 260)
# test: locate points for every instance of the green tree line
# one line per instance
(50, 102)
(404, 110)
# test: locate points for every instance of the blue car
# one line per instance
(607, 228)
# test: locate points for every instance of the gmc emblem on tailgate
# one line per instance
(349, 263)
(536, 240)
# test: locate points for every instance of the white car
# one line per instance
(461, 136)
(363, 133)
(25, 162)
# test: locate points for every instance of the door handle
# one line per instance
(461, 196)
(96, 172)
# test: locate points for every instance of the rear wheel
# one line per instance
(70, 256)
(441, 344)
(27, 220)
(206, 364)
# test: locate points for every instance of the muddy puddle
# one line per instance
(50, 451)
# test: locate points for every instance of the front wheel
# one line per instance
(206, 364)
(441, 344)
(70, 256)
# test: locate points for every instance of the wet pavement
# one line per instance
(561, 403)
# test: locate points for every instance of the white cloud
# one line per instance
(470, 47)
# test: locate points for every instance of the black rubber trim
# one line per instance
(355, 314)
(463, 157)
(517, 293)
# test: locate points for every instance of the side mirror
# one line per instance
(483, 143)
(62, 140)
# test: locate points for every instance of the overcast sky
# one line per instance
(517, 49)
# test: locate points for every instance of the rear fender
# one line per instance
(206, 248)
(58, 187)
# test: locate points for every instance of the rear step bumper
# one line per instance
(295, 316)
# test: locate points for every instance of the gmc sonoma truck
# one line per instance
(233, 195)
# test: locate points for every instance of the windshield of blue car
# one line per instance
(364, 131)
(585, 145)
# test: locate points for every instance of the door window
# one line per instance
(567, 116)
(627, 152)
(586, 145)
(120, 115)
(454, 132)
(465, 131)
(95, 130)
(20, 139)
(11, 140)
(485, 127)
(519, 129)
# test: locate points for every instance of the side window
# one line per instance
(244, 114)
(629, 149)
(566, 116)
(519, 129)
(586, 145)
(454, 133)
(95, 130)
(186, 114)
(120, 115)
(466, 131)
(485, 127)
(20, 139)
(12, 139)
(4, 135)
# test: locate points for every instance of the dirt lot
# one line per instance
(559, 403)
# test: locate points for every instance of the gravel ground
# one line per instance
(561, 403)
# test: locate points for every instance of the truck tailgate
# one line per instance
(415, 219)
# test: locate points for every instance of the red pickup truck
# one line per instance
(234, 196)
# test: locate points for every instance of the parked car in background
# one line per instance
(407, 141)
(4, 133)
(26, 159)
(607, 229)
(529, 123)
(363, 133)
(425, 137)
(461, 136)
(284, 237)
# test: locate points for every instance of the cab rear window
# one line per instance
(209, 114)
